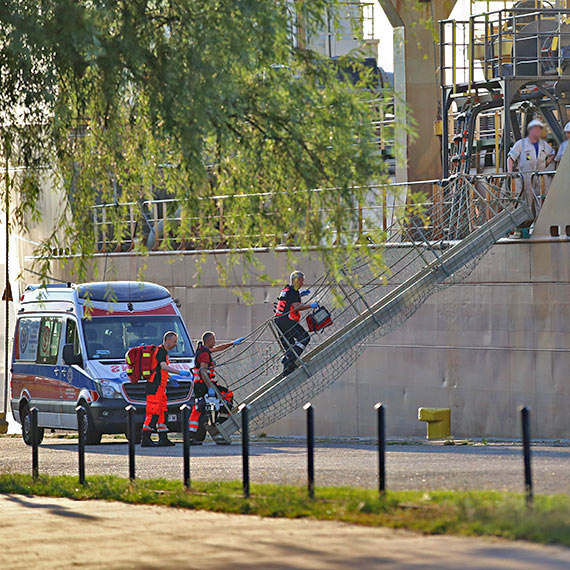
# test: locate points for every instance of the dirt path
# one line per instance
(41, 532)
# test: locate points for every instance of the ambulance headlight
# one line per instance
(109, 390)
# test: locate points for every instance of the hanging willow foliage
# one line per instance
(122, 101)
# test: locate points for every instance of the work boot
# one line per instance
(287, 358)
(163, 440)
(194, 441)
(146, 441)
(288, 368)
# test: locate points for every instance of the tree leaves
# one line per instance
(207, 104)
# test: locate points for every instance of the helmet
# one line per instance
(536, 123)
(567, 127)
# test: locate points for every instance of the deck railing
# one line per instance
(155, 224)
(513, 42)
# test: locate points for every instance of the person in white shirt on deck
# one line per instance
(531, 154)
(563, 146)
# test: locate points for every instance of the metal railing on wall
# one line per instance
(156, 224)
(163, 225)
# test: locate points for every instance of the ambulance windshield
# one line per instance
(109, 338)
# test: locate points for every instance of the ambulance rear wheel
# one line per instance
(26, 419)
(92, 435)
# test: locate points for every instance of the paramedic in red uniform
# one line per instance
(294, 337)
(156, 402)
(204, 366)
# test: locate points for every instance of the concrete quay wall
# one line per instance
(483, 347)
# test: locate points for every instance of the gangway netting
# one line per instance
(425, 252)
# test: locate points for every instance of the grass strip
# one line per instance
(489, 513)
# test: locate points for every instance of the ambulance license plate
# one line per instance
(172, 417)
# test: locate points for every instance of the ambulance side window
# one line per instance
(72, 336)
(49, 338)
(26, 339)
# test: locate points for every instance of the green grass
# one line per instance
(488, 513)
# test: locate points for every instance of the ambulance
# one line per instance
(69, 350)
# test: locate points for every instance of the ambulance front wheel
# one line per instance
(26, 419)
(92, 434)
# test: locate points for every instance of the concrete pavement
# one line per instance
(50, 533)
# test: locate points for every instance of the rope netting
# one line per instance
(386, 297)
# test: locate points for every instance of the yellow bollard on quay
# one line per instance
(438, 422)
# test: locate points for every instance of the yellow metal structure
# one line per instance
(438, 422)
(438, 127)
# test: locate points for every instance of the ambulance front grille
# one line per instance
(137, 392)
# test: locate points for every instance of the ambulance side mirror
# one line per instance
(69, 356)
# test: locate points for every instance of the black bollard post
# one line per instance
(131, 431)
(245, 449)
(185, 409)
(35, 443)
(381, 411)
(310, 449)
(80, 410)
(525, 419)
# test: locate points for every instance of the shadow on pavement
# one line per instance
(53, 509)
(119, 447)
(208, 449)
(510, 450)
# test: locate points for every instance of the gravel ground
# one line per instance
(497, 465)
(45, 532)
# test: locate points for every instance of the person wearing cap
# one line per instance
(531, 154)
(564, 144)
(294, 338)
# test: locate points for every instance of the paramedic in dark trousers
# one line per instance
(204, 373)
(531, 154)
(294, 337)
(156, 402)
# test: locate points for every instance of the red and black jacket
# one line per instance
(287, 297)
(211, 365)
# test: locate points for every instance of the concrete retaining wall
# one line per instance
(483, 347)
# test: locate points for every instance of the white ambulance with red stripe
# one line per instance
(69, 350)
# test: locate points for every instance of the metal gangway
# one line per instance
(428, 249)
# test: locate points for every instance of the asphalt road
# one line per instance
(409, 466)
(45, 532)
